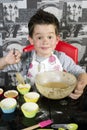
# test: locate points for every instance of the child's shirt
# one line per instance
(39, 65)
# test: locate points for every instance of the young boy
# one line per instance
(44, 34)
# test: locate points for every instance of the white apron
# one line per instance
(49, 64)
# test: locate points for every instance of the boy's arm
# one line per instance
(70, 66)
(2, 62)
(81, 84)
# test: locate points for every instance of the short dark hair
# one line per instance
(42, 17)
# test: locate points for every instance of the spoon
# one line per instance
(20, 78)
(71, 126)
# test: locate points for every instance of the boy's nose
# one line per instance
(45, 41)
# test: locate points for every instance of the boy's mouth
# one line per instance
(44, 48)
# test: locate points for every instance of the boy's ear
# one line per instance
(58, 39)
(30, 40)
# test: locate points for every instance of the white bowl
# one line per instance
(8, 105)
(55, 84)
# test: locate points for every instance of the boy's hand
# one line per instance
(12, 58)
(81, 84)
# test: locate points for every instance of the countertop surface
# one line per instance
(60, 111)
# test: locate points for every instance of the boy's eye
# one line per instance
(39, 38)
(50, 37)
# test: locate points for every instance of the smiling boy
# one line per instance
(44, 35)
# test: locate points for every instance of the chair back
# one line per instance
(62, 46)
(68, 49)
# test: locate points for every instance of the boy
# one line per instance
(44, 34)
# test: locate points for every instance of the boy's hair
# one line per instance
(42, 17)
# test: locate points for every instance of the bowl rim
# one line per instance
(53, 72)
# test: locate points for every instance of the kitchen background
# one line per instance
(72, 15)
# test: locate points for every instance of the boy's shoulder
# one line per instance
(59, 53)
(62, 57)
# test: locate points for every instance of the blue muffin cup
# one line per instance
(10, 110)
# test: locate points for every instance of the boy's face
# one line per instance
(44, 39)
